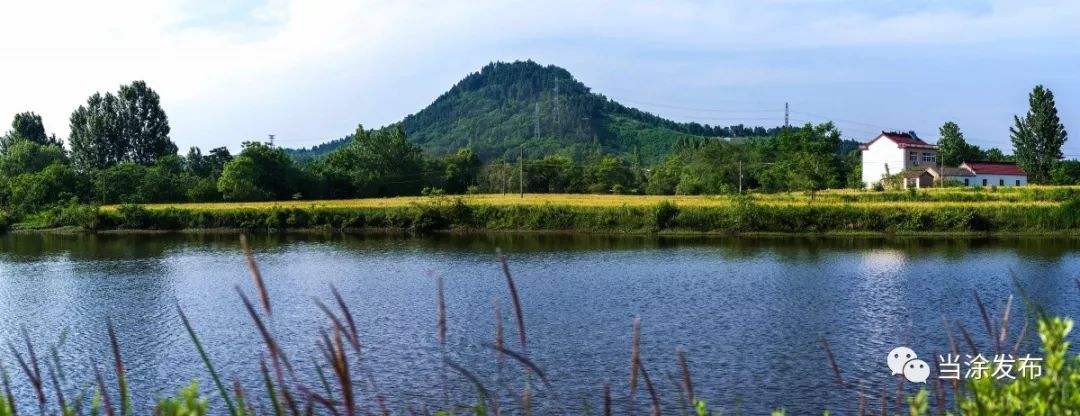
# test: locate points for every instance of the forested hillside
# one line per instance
(509, 107)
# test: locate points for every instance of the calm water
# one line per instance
(750, 313)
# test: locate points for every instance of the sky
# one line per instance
(309, 71)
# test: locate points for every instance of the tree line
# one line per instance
(1037, 138)
(119, 151)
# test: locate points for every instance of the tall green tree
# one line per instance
(805, 159)
(260, 172)
(145, 125)
(25, 156)
(129, 126)
(96, 138)
(462, 171)
(953, 149)
(1038, 137)
(994, 154)
(380, 163)
(27, 126)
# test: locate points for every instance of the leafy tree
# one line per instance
(462, 170)
(664, 179)
(379, 163)
(27, 127)
(32, 192)
(994, 154)
(96, 138)
(805, 159)
(609, 175)
(209, 165)
(239, 181)
(119, 183)
(260, 172)
(496, 177)
(953, 149)
(166, 181)
(852, 168)
(553, 174)
(1038, 137)
(145, 125)
(130, 126)
(26, 156)
(1065, 172)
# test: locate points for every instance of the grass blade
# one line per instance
(688, 384)
(105, 402)
(832, 361)
(206, 360)
(121, 375)
(516, 301)
(263, 294)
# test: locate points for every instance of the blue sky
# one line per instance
(308, 71)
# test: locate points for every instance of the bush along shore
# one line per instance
(741, 215)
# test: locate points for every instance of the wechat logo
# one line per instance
(903, 360)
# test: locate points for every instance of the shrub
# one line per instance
(665, 213)
(72, 215)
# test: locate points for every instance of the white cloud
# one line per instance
(229, 71)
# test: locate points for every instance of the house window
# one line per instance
(1017, 182)
(984, 182)
(929, 157)
(1001, 182)
(967, 182)
(913, 156)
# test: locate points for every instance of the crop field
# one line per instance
(952, 197)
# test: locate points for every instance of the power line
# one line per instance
(710, 110)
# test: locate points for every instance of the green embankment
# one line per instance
(740, 215)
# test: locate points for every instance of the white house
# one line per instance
(904, 154)
(893, 153)
(988, 174)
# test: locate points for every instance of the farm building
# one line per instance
(915, 163)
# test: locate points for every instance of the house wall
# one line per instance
(995, 180)
(874, 159)
(991, 180)
(919, 161)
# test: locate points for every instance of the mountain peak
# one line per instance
(507, 107)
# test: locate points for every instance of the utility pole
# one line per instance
(271, 140)
(740, 177)
(557, 103)
(521, 170)
(786, 124)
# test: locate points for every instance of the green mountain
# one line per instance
(524, 106)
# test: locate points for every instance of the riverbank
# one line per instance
(827, 213)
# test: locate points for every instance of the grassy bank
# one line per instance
(1031, 210)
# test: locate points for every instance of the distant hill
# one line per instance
(499, 109)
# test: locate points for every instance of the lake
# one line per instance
(750, 313)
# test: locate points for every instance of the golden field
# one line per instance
(946, 197)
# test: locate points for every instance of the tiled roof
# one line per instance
(956, 172)
(913, 173)
(902, 140)
(994, 168)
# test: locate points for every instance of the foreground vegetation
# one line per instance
(343, 385)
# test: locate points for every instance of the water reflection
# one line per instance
(750, 312)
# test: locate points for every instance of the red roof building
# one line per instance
(994, 168)
(902, 140)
